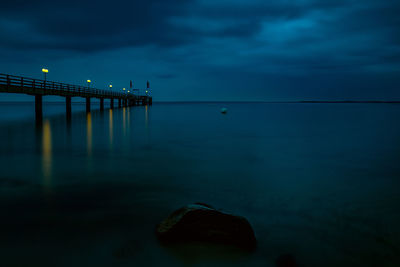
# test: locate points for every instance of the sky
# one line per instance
(209, 50)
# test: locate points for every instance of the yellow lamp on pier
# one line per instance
(88, 82)
(45, 71)
(123, 89)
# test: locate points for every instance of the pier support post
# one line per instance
(150, 101)
(38, 110)
(68, 107)
(101, 104)
(111, 103)
(87, 104)
(119, 103)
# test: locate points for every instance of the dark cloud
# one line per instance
(88, 25)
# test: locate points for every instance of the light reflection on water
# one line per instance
(146, 117)
(110, 127)
(129, 118)
(47, 155)
(89, 133)
(124, 121)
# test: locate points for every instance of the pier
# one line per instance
(39, 88)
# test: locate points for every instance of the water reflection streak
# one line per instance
(46, 155)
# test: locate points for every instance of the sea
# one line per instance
(317, 181)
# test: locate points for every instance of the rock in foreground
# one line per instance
(200, 222)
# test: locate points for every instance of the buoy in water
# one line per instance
(224, 110)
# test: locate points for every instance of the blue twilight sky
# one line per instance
(217, 50)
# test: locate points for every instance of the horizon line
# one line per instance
(235, 101)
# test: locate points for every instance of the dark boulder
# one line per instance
(202, 223)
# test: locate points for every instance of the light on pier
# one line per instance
(45, 71)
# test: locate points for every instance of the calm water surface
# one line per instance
(319, 181)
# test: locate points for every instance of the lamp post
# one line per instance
(88, 83)
(45, 71)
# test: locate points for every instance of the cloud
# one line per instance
(87, 26)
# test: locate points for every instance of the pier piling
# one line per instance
(68, 107)
(101, 104)
(87, 104)
(38, 109)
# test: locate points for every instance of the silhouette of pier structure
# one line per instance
(40, 88)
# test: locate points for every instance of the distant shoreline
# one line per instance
(271, 102)
(352, 102)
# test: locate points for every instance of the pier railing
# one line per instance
(12, 83)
